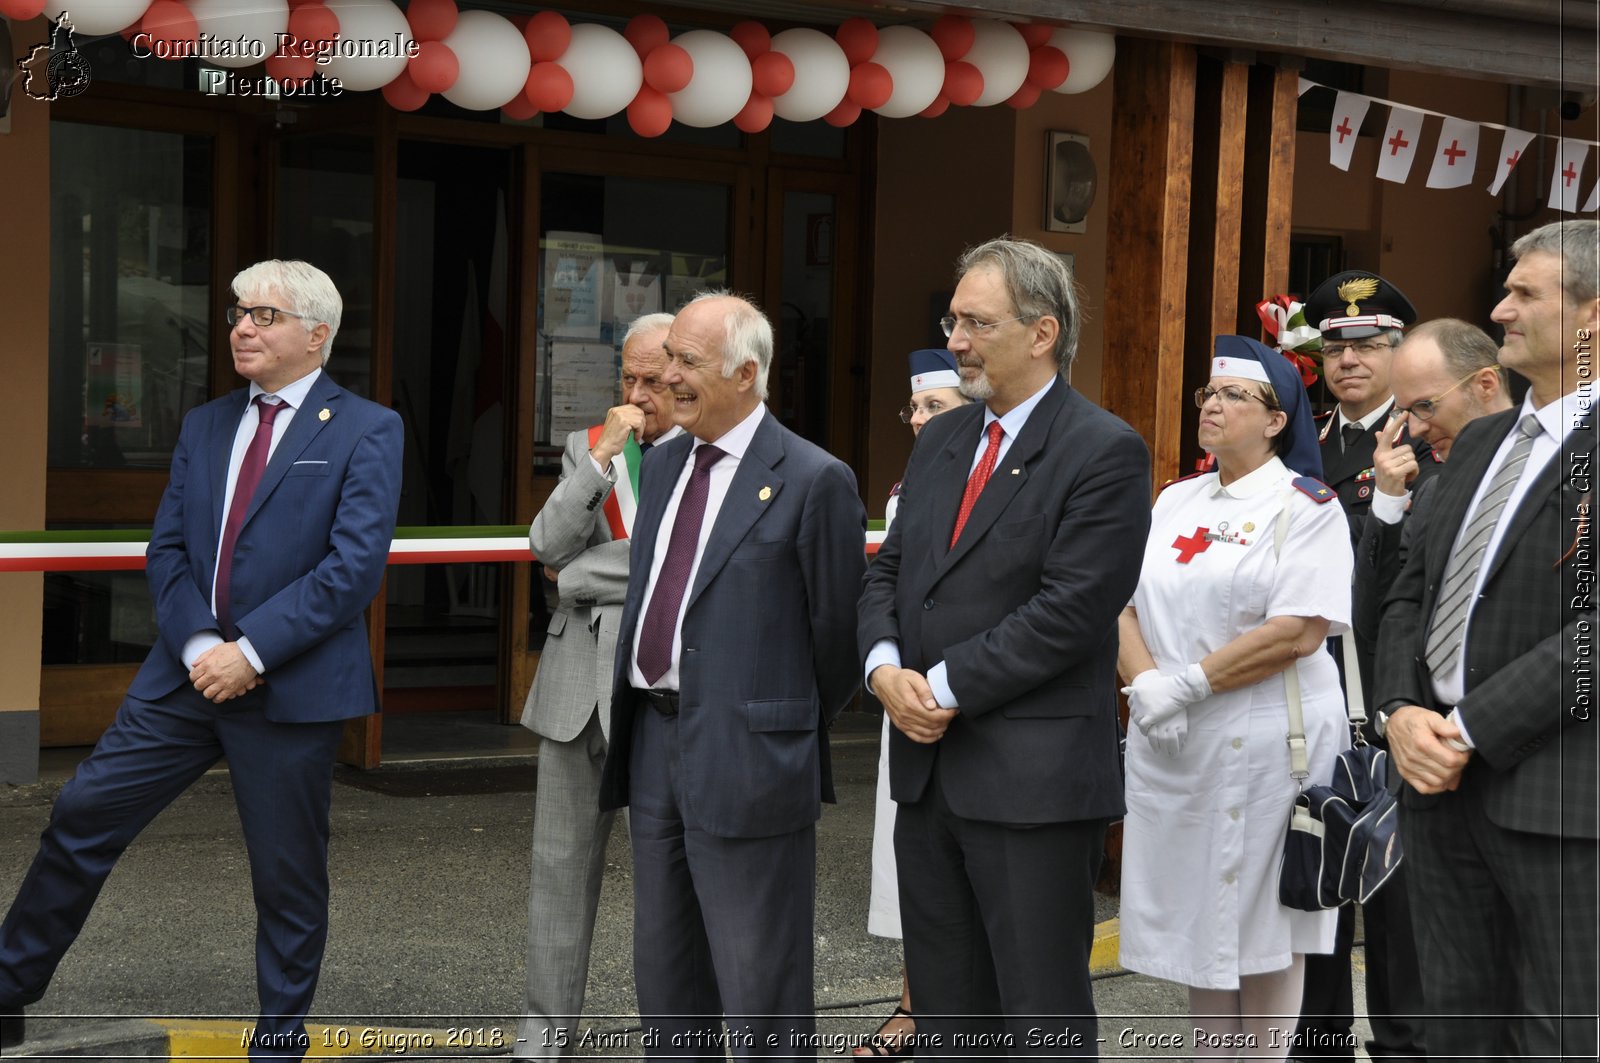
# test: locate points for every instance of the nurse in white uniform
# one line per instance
(934, 383)
(1220, 614)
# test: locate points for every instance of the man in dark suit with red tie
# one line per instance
(272, 537)
(1486, 685)
(988, 625)
(736, 651)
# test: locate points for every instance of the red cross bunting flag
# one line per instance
(1564, 178)
(1349, 111)
(1399, 145)
(1455, 156)
(1511, 149)
(1593, 202)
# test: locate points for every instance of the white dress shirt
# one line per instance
(294, 395)
(733, 445)
(887, 651)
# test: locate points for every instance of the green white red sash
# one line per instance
(623, 502)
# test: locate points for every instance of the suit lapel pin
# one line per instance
(766, 493)
(1016, 472)
(325, 414)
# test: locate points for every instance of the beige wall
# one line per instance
(944, 184)
(24, 364)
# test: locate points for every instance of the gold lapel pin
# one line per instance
(325, 414)
(1016, 472)
(766, 493)
(1249, 525)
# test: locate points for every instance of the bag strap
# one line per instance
(1299, 763)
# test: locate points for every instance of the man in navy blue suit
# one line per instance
(270, 540)
(735, 653)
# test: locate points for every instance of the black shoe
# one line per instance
(13, 1027)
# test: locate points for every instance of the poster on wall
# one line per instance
(583, 385)
(115, 386)
(635, 291)
(574, 268)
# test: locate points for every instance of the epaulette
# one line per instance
(1314, 489)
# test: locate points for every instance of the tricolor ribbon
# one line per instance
(1284, 319)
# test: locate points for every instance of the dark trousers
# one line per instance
(1394, 983)
(282, 781)
(720, 925)
(999, 924)
(1506, 932)
(1327, 1004)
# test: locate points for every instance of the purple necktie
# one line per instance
(250, 470)
(661, 618)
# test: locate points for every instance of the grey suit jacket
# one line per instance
(571, 534)
(1530, 653)
(769, 630)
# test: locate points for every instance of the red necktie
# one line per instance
(975, 482)
(661, 618)
(250, 470)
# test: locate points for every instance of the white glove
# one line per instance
(1154, 696)
(1168, 736)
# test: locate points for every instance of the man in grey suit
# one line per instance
(735, 654)
(580, 536)
(1486, 679)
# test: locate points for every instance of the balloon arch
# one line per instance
(482, 61)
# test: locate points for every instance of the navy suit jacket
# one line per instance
(1023, 611)
(310, 556)
(769, 633)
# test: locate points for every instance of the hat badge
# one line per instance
(1353, 291)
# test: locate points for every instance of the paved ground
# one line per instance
(429, 869)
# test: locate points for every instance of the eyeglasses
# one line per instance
(1363, 349)
(975, 328)
(1426, 408)
(1230, 395)
(263, 316)
(933, 409)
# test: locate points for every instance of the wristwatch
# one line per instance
(1380, 724)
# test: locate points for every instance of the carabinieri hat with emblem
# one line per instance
(1355, 304)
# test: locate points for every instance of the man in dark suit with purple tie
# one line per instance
(736, 651)
(271, 539)
(988, 625)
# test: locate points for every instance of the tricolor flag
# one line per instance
(1511, 149)
(1399, 145)
(1455, 156)
(1349, 111)
(1564, 178)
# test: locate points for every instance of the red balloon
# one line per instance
(403, 94)
(1047, 67)
(435, 67)
(548, 35)
(1033, 33)
(646, 33)
(290, 69)
(939, 106)
(954, 36)
(311, 22)
(756, 115)
(871, 85)
(549, 86)
(170, 22)
(1025, 97)
(858, 38)
(842, 115)
(773, 73)
(650, 113)
(22, 10)
(753, 38)
(520, 109)
(668, 68)
(963, 83)
(431, 20)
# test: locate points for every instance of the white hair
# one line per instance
(309, 292)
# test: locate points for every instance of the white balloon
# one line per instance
(494, 61)
(821, 74)
(606, 71)
(378, 22)
(1001, 55)
(1090, 54)
(917, 67)
(721, 82)
(96, 18)
(249, 30)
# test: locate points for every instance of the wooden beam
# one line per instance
(1147, 263)
(1268, 191)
